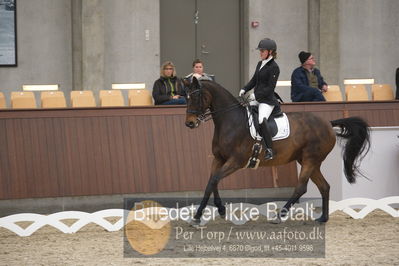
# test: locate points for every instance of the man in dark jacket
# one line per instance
(307, 84)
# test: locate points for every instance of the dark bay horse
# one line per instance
(310, 141)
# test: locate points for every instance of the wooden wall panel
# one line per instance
(378, 115)
(103, 166)
(248, 178)
(98, 151)
(59, 147)
(287, 175)
(18, 180)
(5, 173)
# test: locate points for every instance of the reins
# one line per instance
(208, 114)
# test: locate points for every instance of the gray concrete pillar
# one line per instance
(329, 60)
(76, 17)
(314, 27)
(93, 47)
(245, 43)
(323, 37)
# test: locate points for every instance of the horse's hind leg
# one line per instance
(324, 188)
(300, 189)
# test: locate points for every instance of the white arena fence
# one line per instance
(99, 218)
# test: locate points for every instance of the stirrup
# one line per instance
(268, 154)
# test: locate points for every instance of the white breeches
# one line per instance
(264, 111)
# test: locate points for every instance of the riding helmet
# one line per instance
(267, 44)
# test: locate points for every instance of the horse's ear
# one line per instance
(186, 83)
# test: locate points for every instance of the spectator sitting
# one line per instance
(198, 72)
(168, 89)
(307, 84)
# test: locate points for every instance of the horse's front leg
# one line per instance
(219, 171)
(218, 202)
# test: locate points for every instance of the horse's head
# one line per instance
(198, 101)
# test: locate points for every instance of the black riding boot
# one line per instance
(268, 140)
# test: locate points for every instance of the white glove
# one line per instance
(242, 92)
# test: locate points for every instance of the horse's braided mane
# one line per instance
(214, 85)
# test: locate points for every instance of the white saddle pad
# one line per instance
(283, 127)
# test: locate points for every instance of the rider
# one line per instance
(264, 83)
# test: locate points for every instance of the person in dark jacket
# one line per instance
(307, 84)
(264, 83)
(168, 89)
(198, 72)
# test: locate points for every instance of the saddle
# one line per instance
(277, 123)
(271, 122)
(278, 126)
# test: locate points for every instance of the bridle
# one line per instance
(207, 114)
(195, 112)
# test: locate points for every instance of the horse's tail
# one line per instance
(356, 131)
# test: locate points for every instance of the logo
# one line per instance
(147, 229)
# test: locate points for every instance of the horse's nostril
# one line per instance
(190, 124)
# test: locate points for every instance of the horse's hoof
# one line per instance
(275, 220)
(195, 223)
(321, 219)
(222, 213)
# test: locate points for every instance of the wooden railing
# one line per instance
(100, 151)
